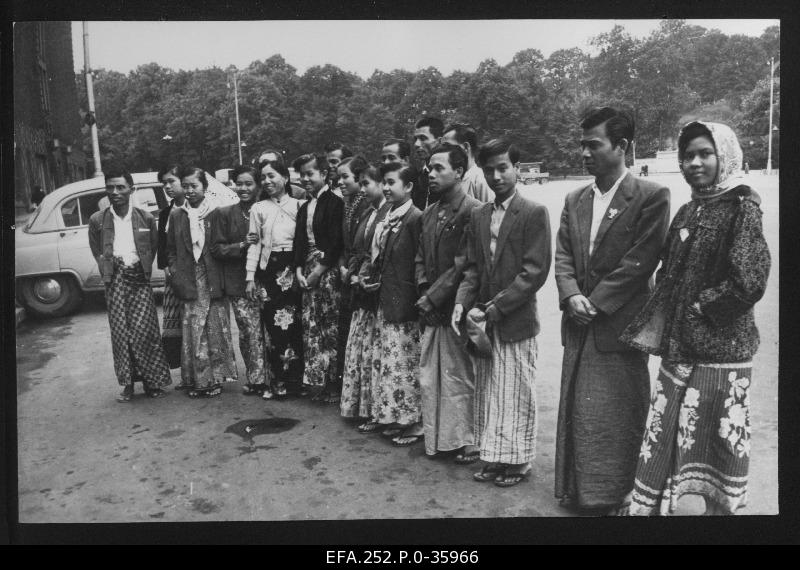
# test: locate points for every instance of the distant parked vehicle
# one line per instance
(530, 172)
(53, 264)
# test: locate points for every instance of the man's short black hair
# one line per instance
(456, 155)
(320, 161)
(619, 123)
(403, 147)
(496, 147)
(332, 146)
(464, 134)
(119, 173)
(435, 125)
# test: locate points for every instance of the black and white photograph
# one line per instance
(397, 270)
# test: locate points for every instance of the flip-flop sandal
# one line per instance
(280, 390)
(409, 440)
(467, 458)
(510, 479)
(124, 397)
(333, 399)
(491, 472)
(156, 393)
(267, 395)
(251, 390)
(369, 427)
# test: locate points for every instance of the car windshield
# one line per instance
(31, 219)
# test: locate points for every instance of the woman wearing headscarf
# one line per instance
(230, 243)
(207, 359)
(171, 325)
(270, 277)
(700, 321)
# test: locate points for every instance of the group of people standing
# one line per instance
(407, 296)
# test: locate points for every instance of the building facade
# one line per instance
(48, 142)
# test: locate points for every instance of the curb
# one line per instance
(20, 315)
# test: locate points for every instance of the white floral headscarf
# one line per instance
(729, 159)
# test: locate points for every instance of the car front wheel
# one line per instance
(51, 295)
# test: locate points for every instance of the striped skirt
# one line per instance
(505, 402)
(697, 440)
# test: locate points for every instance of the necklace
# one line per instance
(246, 214)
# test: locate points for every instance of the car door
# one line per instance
(74, 254)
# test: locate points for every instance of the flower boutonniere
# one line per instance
(612, 212)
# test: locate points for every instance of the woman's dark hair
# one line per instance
(169, 169)
(186, 171)
(689, 133)
(373, 172)
(357, 164)
(280, 167)
(408, 174)
(244, 169)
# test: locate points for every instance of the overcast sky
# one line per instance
(357, 46)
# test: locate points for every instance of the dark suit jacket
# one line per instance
(420, 194)
(181, 258)
(101, 240)
(361, 254)
(327, 225)
(442, 252)
(228, 229)
(398, 292)
(617, 277)
(521, 263)
(163, 216)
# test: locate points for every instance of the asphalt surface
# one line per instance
(82, 457)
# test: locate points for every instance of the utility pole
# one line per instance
(769, 143)
(236, 106)
(87, 68)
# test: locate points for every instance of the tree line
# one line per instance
(153, 115)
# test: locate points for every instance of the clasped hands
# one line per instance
(581, 310)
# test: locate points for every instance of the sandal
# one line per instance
(155, 393)
(333, 399)
(406, 440)
(251, 390)
(510, 479)
(204, 393)
(490, 472)
(125, 395)
(467, 458)
(369, 427)
(267, 395)
(280, 389)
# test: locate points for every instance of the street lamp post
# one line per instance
(769, 142)
(98, 170)
(236, 106)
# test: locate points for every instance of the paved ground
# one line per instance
(85, 458)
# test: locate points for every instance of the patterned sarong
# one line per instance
(171, 326)
(358, 366)
(135, 338)
(320, 325)
(207, 359)
(395, 389)
(697, 440)
(505, 402)
(251, 340)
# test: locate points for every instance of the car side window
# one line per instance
(145, 198)
(89, 205)
(70, 213)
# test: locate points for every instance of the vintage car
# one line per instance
(53, 263)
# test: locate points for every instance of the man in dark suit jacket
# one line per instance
(447, 382)
(607, 248)
(316, 260)
(427, 133)
(508, 258)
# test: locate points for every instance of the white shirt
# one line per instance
(274, 223)
(498, 213)
(124, 246)
(475, 185)
(600, 204)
